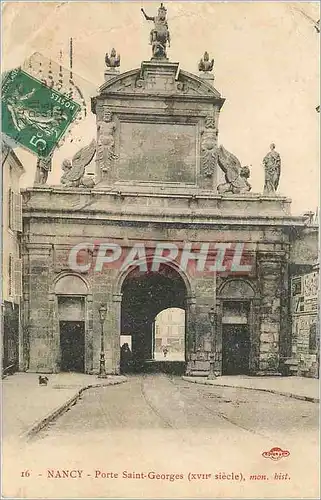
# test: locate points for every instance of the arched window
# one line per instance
(237, 289)
(71, 285)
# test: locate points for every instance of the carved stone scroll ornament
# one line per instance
(235, 175)
(272, 170)
(74, 170)
(182, 87)
(140, 83)
(208, 148)
(106, 142)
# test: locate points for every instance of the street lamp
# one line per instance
(102, 365)
(212, 319)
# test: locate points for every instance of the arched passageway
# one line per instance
(144, 296)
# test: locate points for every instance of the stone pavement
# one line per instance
(27, 406)
(295, 387)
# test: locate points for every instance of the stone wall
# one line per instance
(90, 216)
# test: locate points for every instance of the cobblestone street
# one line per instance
(147, 423)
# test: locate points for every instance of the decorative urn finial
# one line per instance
(205, 64)
(112, 61)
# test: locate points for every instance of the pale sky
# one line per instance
(266, 66)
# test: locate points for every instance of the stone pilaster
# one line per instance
(200, 329)
(89, 360)
(25, 312)
(102, 295)
(190, 324)
(39, 320)
(254, 321)
(116, 331)
(271, 283)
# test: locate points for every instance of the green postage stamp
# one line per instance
(33, 114)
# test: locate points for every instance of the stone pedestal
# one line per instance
(159, 75)
(110, 73)
(207, 77)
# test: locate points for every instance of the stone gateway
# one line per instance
(157, 173)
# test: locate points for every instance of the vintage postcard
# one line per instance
(160, 250)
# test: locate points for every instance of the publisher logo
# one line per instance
(276, 453)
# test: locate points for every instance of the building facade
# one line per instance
(12, 349)
(169, 333)
(157, 190)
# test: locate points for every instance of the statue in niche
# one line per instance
(43, 168)
(272, 169)
(74, 170)
(208, 147)
(106, 142)
(235, 175)
(205, 64)
(159, 36)
(112, 61)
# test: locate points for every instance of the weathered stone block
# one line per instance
(41, 358)
(270, 328)
(265, 347)
(267, 337)
(201, 365)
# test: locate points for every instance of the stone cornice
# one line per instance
(173, 204)
(158, 97)
(213, 220)
(170, 190)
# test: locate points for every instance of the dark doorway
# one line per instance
(236, 350)
(72, 345)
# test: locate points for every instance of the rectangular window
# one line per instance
(10, 265)
(296, 286)
(14, 277)
(18, 208)
(17, 277)
(9, 208)
(15, 211)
